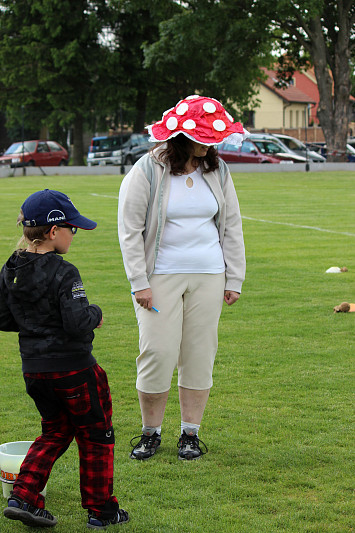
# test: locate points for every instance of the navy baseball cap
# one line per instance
(49, 208)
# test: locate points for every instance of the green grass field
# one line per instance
(279, 423)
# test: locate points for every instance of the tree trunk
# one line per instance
(78, 146)
(342, 81)
(141, 103)
(334, 91)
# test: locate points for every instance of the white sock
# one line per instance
(149, 430)
(189, 428)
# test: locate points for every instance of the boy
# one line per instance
(43, 298)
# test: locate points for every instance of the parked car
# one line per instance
(34, 154)
(268, 144)
(300, 148)
(350, 153)
(351, 141)
(322, 149)
(135, 147)
(247, 153)
(125, 148)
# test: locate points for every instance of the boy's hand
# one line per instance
(101, 322)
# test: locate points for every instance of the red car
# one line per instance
(247, 153)
(34, 154)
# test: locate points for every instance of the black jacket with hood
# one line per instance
(43, 298)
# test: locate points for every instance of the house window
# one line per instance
(248, 119)
(291, 119)
(297, 119)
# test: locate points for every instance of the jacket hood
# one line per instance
(28, 275)
(155, 153)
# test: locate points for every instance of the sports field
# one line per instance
(279, 423)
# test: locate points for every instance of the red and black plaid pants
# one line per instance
(72, 405)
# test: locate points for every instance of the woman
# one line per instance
(181, 238)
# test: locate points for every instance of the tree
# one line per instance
(135, 24)
(320, 33)
(51, 60)
(218, 46)
(178, 48)
(212, 47)
(17, 70)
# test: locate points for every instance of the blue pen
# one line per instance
(154, 308)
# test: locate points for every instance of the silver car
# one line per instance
(271, 144)
(300, 148)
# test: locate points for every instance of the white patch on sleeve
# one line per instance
(78, 290)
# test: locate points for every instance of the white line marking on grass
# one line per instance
(265, 221)
(299, 226)
(104, 196)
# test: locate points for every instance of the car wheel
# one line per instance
(129, 160)
(31, 164)
(63, 163)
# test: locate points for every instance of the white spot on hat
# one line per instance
(182, 108)
(189, 124)
(192, 97)
(219, 125)
(171, 123)
(209, 107)
(229, 117)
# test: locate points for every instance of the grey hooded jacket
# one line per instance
(143, 200)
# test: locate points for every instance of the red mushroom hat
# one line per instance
(203, 120)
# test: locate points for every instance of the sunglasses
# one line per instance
(73, 229)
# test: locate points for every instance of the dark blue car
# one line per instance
(321, 148)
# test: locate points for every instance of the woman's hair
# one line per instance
(178, 152)
(31, 235)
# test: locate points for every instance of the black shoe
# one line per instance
(120, 517)
(190, 447)
(146, 447)
(29, 515)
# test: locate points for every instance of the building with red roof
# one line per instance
(287, 107)
(291, 109)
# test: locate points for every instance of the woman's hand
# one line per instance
(230, 297)
(144, 298)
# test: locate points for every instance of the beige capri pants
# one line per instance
(184, 334)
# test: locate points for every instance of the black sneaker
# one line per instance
(146, 447)
(190, 447)
(29, 515)
(98, 523)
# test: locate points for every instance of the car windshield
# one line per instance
(268, 147)
(108, 143)
(18, 148)
(294, 144)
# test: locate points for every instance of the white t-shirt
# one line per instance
(190, 241)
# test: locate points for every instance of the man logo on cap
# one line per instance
(52, 207)
(55, 216)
